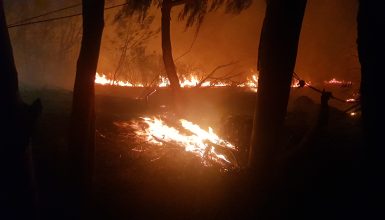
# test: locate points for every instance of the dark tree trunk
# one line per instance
(371, 51)
(167, 49)
(17, 193)
(9, 89)
(277, 56)
(82, 125)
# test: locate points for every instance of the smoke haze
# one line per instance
(46, 53)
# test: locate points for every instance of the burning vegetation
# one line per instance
(167, 133)
(164, 133)
(341, 83)
(187, 82)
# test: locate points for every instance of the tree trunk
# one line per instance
(167, 49)
(17, 119)
(9, 89)
(371, 47)
(82, 124)
(277, 56)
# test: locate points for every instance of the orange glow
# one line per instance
(334, 81)
(102, 79)
(295, 83)
(186, 82)
(251, 82)
(205, 144)
(192, 81)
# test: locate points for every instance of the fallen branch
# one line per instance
(213, 72)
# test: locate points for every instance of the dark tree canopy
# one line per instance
(193, 11)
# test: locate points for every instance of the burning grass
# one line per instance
(341, 83)
(161, 133)
(188, 82)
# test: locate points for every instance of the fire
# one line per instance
(251, 82)
(102, 79)
(186, 82)
(296, 83)
(351, 100)
(205, 144)
(342, 83)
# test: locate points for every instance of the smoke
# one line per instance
(328, 41)
(46, 53)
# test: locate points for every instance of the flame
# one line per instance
(295, 83)
(253, 83)
(250, 82)
(189, 136)
(334, 81)
(164, 82)
(186, 82)
(190, 82)
(102, 79)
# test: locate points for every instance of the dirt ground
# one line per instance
(323, 181)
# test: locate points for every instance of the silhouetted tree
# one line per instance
(371, 47)
(134, 62)
(82, 124)
(193, 12)
(277, 56)
(166, 45)
(17, 119)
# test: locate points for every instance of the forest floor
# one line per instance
(322, 181)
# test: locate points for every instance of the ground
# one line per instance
(320, 181)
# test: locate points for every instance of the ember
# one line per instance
(188, 136)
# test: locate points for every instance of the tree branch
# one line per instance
(213, 72)
(189, 50)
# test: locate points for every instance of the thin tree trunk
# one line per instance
(17, 119)
(371, 51)
(82, 124)
(277, 56)
(167, 49)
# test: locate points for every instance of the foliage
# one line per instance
(193, 11)
(134, 63)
